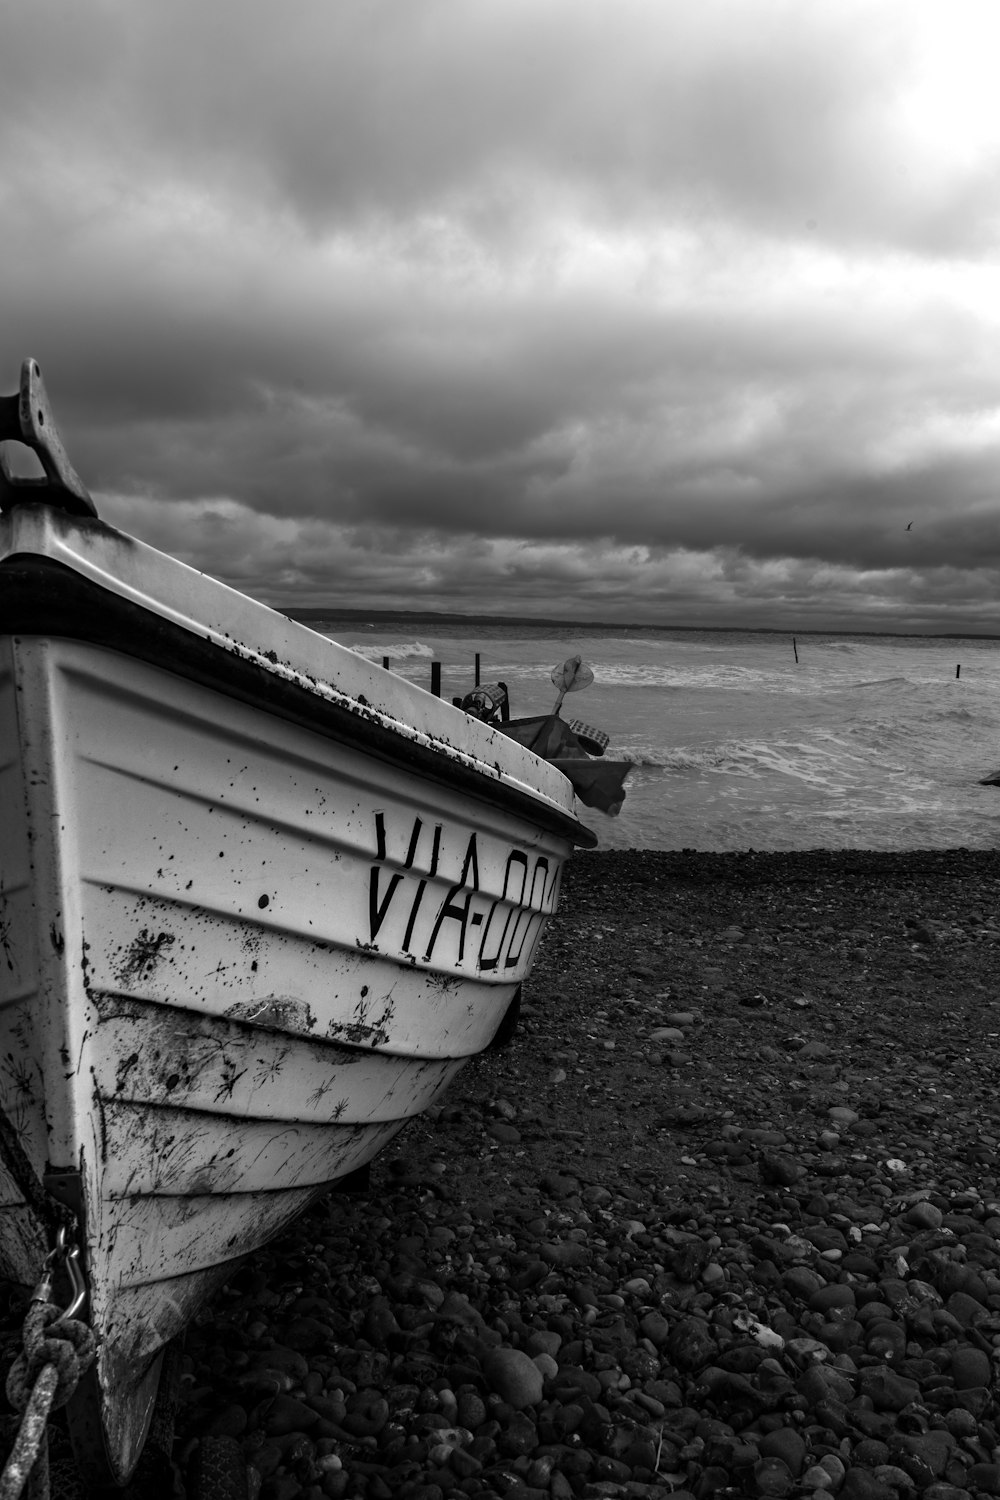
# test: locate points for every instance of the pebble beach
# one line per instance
(723, 1218)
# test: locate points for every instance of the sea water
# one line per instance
(876, 742)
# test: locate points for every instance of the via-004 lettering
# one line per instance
(491, 933)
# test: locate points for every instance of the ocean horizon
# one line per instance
(335, 617)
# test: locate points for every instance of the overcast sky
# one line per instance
(677, 311)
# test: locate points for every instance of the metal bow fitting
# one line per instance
(26, 417)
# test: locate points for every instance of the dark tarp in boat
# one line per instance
(597, 783)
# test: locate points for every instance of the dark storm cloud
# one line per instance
(646, 306)
(780, 115)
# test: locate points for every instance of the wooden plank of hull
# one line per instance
(175, 1152)
(225, 966)
(183, 1061)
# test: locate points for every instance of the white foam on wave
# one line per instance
(745, 758)
(884, 682)
(815, 765)
(395, 651)
(827, 764)
(671, 676)
(699, 758)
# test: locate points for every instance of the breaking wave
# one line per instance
(395, 651)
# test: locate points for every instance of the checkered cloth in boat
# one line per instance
(486, 702)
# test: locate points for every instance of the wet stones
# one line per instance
(690, 1344)
(514, 1376)
(971, 1368)
(779, 1169)
(787, 1445)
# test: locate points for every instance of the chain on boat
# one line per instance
(58, 1349)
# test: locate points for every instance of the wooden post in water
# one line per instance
(477, 669)
(958, 671)
(385, 663)
(795, 648)
(436, 678)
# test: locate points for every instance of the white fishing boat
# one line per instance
(260, 900)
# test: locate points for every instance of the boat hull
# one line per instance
(238, 955)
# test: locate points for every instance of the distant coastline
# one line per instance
(530, 622)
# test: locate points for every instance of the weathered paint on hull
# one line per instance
(236, 957)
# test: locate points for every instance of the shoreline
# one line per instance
(731, 1194)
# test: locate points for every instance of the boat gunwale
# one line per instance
(42, 596)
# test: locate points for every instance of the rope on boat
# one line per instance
(29, 1457)
(57, 1351)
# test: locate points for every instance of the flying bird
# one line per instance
(910, 527)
